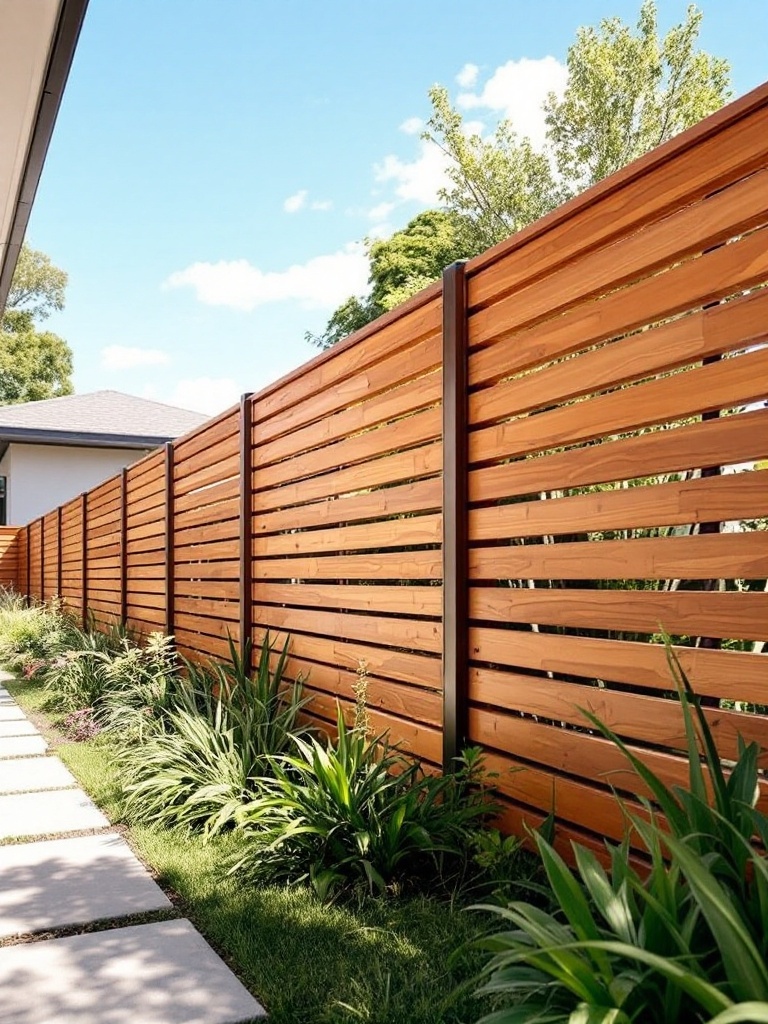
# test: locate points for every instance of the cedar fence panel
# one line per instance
(641, 333)
(490, 503)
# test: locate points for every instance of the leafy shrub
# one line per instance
(32, 634)
(216, 738)
(78, 678)
(138, 685)
(686, 943)
(357, 810)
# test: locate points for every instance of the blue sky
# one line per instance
(216, 163)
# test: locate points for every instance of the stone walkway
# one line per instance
(53, 877)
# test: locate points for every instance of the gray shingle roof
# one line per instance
(96, 417)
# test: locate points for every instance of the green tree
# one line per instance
(400, 266)
(627, 92)
(33, 364)
(497, 185)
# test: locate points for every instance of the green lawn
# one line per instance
(380, 961)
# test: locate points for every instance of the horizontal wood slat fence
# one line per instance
(494, 498)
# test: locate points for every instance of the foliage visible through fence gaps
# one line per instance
(615, 369)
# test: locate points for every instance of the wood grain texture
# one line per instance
(684, 612)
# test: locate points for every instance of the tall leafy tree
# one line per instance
(33, 364)
(627, 92)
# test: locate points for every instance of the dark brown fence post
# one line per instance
(84, 568)
(27, 581)
(455, 513)
(246, 510)
(169, 531)
(124, 545)
(59, 512)
(42, 558)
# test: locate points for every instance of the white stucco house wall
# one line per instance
(52, 450)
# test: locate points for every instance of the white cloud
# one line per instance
(468, 76)
(412, 126)
(419, 180)
(383, 230)
(381, 210)
(202, 394)
(323, 281)
(122, 357)
(473, 128)
(295, 202)
(517, 90)
(321, 204)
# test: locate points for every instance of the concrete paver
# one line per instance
(11, 712)
(63, 882)
(17, 727)
(26, 774)
(48, 813)
(161, 973)
(22, 746)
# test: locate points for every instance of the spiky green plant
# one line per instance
(216, 738)
(356, 810)
(686, 942)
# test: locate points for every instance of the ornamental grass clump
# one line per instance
(215, 738)
(356, 811)
(684, 941)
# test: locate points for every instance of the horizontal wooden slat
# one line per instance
(210, 496)
(229, 610)
(722, 442)
(228, 509)
(210, 433)
(685, 612)
(411, 702)
(729, 556)
(217, 531)
(186, 473)
(726, 271)
(398, 565)
(213, 473)
(384, 534)
(421, 495)
(204, 552)
(414, 634)
(416, 462)
(733, 496)
(208, 570)
(689, 231)
(720, 385)
(400, 400)
(653, 720)
(402, 600)
(703, 333)
(723, 674)
(403, 433)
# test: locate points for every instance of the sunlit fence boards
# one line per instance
(617, 375)
(206, 537)
(488, 506)
(346, 478)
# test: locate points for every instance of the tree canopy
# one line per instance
(400, 266)
(627, 92)
(33, 364)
